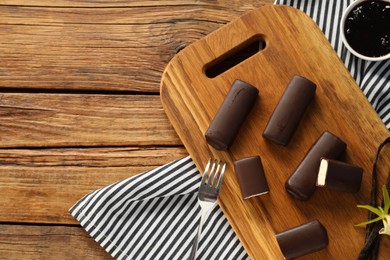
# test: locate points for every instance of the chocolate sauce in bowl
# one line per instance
(367, 28)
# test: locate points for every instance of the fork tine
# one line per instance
(215, 175)
(206, 172)
(221, 176)
(212, 171)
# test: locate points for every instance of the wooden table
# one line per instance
(80, 107)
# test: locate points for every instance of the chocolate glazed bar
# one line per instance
(339, 176)
(289, 111)
(302, 182)
(231, 114)
(251, 177)
(303, 239)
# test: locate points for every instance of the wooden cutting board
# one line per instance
(294, 45)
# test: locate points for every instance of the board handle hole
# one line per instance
(232, 58)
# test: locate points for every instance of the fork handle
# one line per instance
(195, 242)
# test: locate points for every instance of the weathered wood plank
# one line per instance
(90, 157)
(39, 186)
(87, 57)
(228, 4)
(102, 48)
(36, 120)
(48, 242)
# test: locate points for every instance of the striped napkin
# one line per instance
(154, 215)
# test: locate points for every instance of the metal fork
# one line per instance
(209, 189)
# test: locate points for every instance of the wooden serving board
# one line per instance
(294, 45)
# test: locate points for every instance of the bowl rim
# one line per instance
(344, 40)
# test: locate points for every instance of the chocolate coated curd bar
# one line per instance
(289, 111)
(302, 182)
(251, 177)
(339, 176)
(303, 239)
(231, 114)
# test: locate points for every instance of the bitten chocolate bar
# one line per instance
(289, 111)
(302, 182)
(231, 114)
(303, 239)
(339, 176)
(251, 177)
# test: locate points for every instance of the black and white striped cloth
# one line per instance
(155, 215)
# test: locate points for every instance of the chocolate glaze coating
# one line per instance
(341, 176)
(303, 239)
(289, 111)
(302, 182)
(251, 177)
(231, 114)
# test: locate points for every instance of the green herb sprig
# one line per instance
(382, 213)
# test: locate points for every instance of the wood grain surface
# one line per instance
(102, 48)
(42, 119)
(80, 107)
(45, 183)
(294, 45)
(48, 242)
